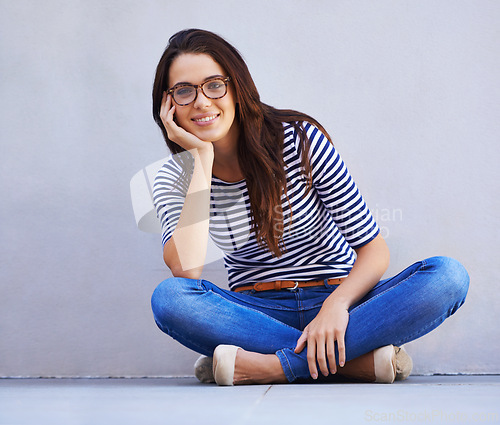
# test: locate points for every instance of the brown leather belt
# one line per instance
(278, 285)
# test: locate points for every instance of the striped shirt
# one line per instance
(322, 226)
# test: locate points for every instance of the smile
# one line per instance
(206, 119)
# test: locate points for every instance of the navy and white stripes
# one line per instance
(326, 223)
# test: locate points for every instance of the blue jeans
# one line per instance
(397, 310)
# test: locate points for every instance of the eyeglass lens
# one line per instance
(213, 89)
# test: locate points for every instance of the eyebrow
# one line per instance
(185, 83)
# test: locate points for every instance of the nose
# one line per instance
(201, 100)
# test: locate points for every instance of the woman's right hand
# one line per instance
(176, 133)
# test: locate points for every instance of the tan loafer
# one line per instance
(404, 364)
(223, 365)
(383, 365)
(203, 370)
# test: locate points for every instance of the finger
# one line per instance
(330, 347)
(321, 357)
(171, 112)
(301, 343)
(164, 106)
(341, 350)
(163, 101)
(311, 358)
(168, 117)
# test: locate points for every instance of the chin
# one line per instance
(211, 136)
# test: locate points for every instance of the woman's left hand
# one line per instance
(328, 327)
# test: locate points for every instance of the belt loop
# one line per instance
(325, 281)
(277, 285)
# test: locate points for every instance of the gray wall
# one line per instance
(408, 89)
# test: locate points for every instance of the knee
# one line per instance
(452, 277)
(166, 299)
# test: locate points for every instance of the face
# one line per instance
(210, 120)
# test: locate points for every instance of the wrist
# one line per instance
(337, 300)
(202, 173)
(205, 151)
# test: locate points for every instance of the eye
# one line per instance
(184, 91)
(215, 85)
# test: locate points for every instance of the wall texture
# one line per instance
(409, 90)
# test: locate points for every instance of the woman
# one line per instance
(303, 253)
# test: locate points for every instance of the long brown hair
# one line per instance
(260, 144)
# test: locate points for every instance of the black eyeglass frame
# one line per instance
(225, 80)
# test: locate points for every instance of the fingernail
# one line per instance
(314, 376)
(341, 364)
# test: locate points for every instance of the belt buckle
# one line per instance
(295, 287)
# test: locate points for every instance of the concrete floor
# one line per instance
(420, 399)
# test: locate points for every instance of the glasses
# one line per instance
(214, 88)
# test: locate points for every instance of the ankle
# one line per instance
(361, 368)
(256, 368)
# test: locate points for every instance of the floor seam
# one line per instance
(254, 406)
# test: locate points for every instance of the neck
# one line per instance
(226, 165)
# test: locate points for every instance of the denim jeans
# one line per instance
(397, 310)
